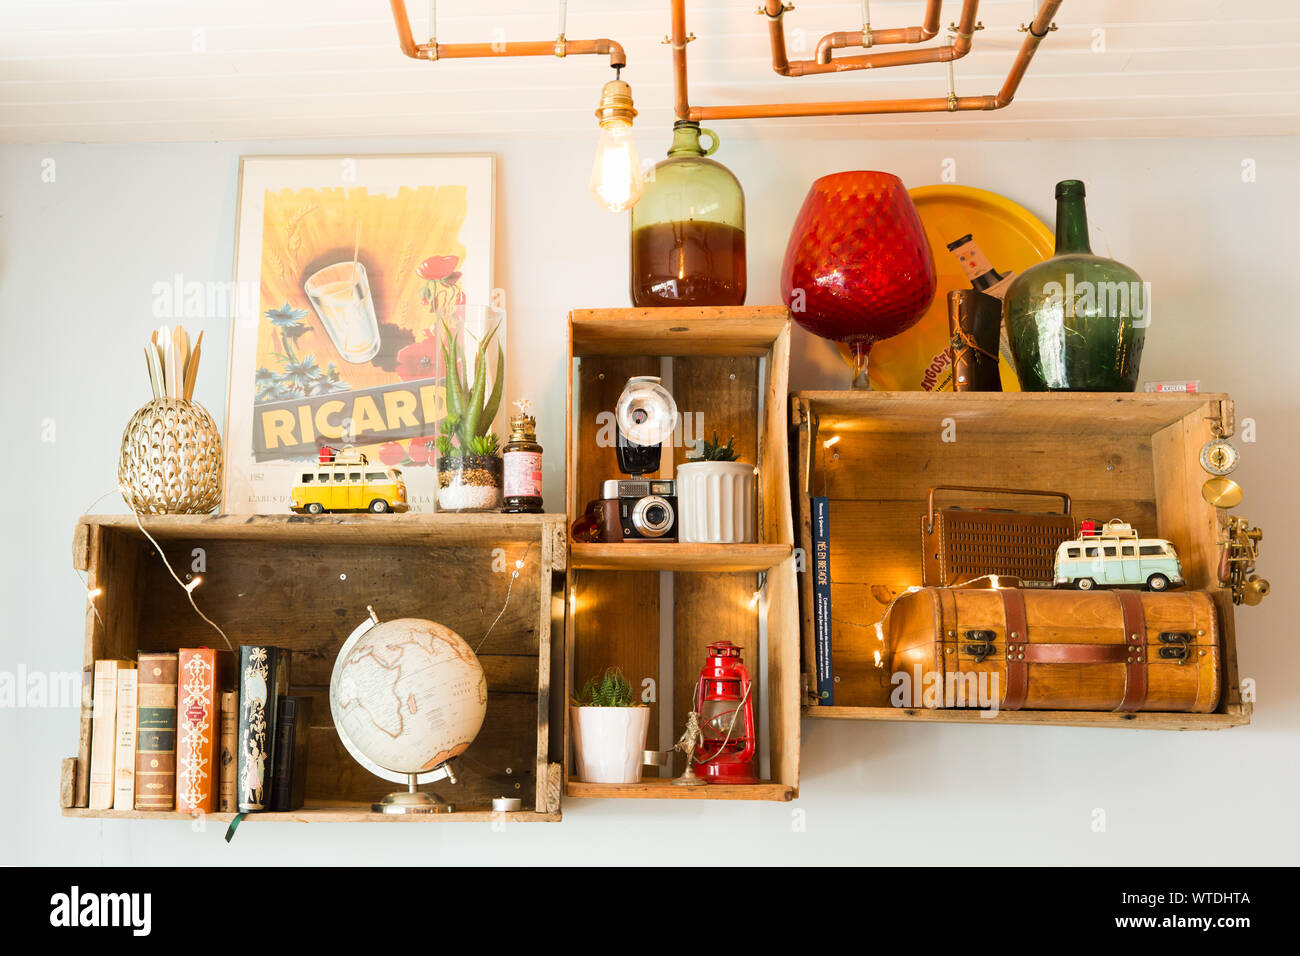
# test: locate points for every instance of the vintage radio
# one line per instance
(1056, 650)
(961, 544)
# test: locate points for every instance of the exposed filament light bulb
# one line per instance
(616, 177)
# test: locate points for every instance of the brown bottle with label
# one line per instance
(523, 468)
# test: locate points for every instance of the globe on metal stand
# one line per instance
(407, 697)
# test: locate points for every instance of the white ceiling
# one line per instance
(129, 70)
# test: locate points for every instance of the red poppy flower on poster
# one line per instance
(438, 267)
(419, 359)
(422, 450)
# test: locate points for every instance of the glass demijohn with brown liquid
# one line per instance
(688, 229)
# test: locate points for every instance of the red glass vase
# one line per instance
(858, 268)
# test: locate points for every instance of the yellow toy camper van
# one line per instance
(347, 481)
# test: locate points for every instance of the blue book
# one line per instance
(821, 568)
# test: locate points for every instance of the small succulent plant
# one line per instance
(485, 446)
(611, 689)
(715, 450)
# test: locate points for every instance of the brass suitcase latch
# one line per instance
(980, 650)
(1178, 646)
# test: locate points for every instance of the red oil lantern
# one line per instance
(725, 703)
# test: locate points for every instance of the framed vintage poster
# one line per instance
(356, 262)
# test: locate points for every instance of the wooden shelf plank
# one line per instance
(349, 814)
(442, 528)
(719, 330)
(661, 788)
(1237, 717)
(1139, 413)
(669, 556)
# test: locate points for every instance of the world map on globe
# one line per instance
(408, 694)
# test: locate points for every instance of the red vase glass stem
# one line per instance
(859, 356)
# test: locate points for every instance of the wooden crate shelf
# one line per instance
(723, 332)
(355, 813)
(628, 556)
(304, 583)
(731, 365)
(1132, 456)
(1236, 716)
(661, 788)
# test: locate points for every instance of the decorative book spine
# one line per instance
(196, 726)
(229, 749)
(821, 529)
(103, 746)
(155, 747)
(263, 680)
(289, 783)
(124, 759)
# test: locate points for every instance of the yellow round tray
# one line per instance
(1011, 237)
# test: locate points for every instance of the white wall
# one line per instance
(78, 258)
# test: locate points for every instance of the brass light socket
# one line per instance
(615, 103)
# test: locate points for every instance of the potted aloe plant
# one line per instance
(469, 459)
(715, 495)
(609, 729)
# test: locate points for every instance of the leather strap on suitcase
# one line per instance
(1135, 639)
(1013, 606)
(1021, 653)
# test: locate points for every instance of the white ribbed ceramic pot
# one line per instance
(715, 502)
(609, 742)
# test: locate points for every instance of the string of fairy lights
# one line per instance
(93, 593)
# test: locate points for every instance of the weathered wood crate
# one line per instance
(729, 365)
(304, 583)
(1130, 456)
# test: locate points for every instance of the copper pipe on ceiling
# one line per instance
(443, 51)
(928, 29)
(824, 63)
(1038, 28)
(939, 104)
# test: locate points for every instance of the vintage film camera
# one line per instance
(638, 507)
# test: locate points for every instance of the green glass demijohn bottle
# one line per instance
(688, 229)
(1076, 322)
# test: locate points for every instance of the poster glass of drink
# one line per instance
(345, 267)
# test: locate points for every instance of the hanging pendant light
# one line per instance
(616, 178)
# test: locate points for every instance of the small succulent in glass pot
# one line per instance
(469, 455)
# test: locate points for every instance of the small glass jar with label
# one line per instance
(523, 467)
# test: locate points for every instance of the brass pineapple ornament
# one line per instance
(171, 461)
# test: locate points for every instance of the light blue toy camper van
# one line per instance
(1114, 556)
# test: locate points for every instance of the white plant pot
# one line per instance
(609, 742)
(715, 502)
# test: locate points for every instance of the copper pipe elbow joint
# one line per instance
(617, 58)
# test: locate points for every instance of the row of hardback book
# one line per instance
(175, 730)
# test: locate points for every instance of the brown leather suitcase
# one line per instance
(1055, 650)
(962, 544)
